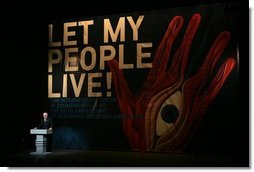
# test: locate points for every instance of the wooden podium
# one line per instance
(41, 141)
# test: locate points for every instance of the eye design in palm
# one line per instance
(172, 104)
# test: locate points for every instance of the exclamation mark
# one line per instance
(109, 81)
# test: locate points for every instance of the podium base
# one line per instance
(40, 153)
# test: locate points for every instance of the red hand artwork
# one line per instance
(172, 105)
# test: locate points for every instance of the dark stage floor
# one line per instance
(90, 158)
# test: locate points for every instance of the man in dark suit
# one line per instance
(46, 122)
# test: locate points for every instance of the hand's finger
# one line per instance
(219, 80)
(163, 51)
(181, 56)
(198, 96)
(214, 54)
(172, 32)
(126, 102)
(121, 87)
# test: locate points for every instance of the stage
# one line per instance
(96, 158)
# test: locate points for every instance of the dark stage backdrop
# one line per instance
(157, 80)
(153, 85)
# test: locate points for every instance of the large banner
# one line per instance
(141, 81)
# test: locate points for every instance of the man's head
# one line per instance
(45, 115)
